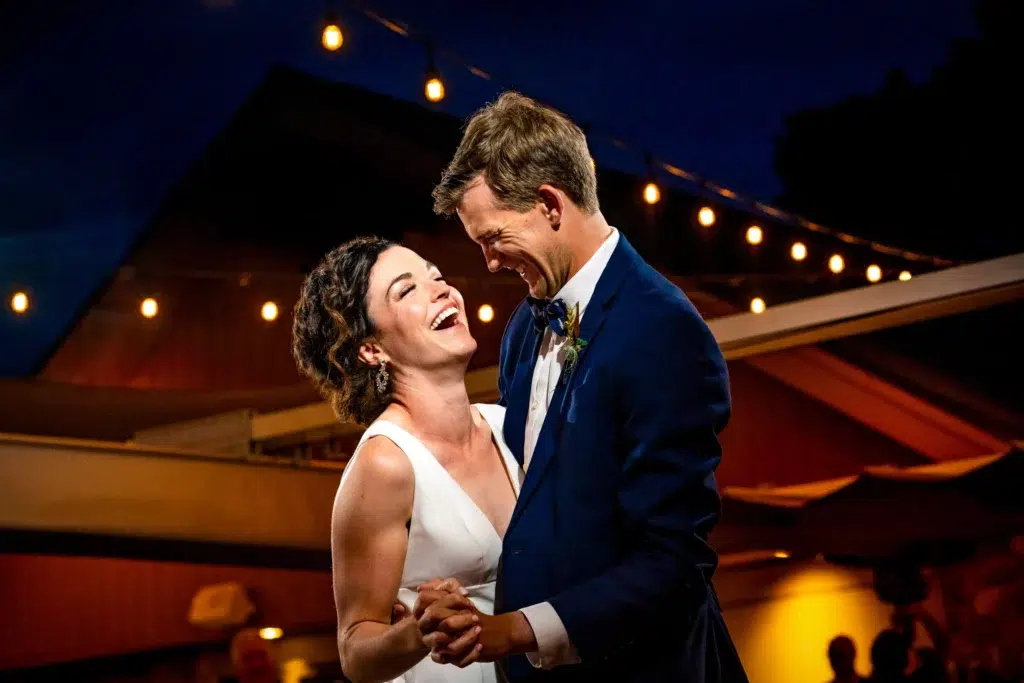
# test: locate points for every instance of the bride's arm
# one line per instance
(368, 545)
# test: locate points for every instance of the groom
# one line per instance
(615, 392)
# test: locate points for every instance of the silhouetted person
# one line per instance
(890, 655)
(842, 654)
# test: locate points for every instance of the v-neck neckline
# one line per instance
(503, 453)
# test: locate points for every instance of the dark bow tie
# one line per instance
(549, 314)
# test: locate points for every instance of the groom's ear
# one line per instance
(371, 353)
(552, 204)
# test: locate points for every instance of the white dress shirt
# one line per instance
(553, 645)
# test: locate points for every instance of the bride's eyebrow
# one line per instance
(400, 278)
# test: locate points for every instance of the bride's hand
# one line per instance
(448, 621)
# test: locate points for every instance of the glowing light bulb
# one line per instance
(19, 302)
(332, 37)
(798, 251)
(757, 305)
(434, 89)
(271, 633)
(905, 275)
(874, 273)
(706, 216)
(149, 308)
(485, 313)
(755, 235)
(269, 311)
(781, 554)
(652, 194)
(836, 264)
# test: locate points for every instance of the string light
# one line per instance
(757, 305)
(706, 216)
(331, 37)
(271, 633)
(19, 302)
(435, 91)
(433, 88)
(798, 251)
(652, 194)
(149, 308)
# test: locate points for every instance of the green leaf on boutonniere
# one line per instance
(574, 345)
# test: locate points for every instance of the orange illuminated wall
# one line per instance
(58, 609)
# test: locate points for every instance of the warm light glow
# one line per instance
(706, 216)
(271, 633)
(332, 37)
(784, 635)
(19, 302)
(755, 235)
(874, 273)
(149, 308)
(269, 311)
(757, 305)
(652, 194)
(836, 264)
(781, 555)
(485, 313)
(798, 251)
(434, 89)
(905, 275)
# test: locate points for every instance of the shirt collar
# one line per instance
(580, 286)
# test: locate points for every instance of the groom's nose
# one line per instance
(492, 258)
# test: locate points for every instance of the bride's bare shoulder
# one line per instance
(380, 463)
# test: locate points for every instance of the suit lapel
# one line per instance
(519, 394)
(623, 260)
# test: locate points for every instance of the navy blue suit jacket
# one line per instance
(612, 521)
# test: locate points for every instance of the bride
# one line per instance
(431, 487)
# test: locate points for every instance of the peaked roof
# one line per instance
(305, 165)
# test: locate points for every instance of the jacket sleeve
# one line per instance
(672, 400)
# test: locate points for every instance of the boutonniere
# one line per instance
(574, 346)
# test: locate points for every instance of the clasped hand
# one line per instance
(453, 628)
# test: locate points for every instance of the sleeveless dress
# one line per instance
(449, 536)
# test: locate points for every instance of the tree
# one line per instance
(931, 166)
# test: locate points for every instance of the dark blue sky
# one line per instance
(103, 105)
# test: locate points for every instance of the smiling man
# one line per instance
(615, 392)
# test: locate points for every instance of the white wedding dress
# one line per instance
(449, 536)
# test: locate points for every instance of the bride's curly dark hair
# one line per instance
(331, 322)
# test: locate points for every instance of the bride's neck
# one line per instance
(437, 404)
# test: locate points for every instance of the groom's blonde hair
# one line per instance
(517, 145)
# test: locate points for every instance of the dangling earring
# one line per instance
(381, 379)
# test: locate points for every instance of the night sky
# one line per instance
(103, 106)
